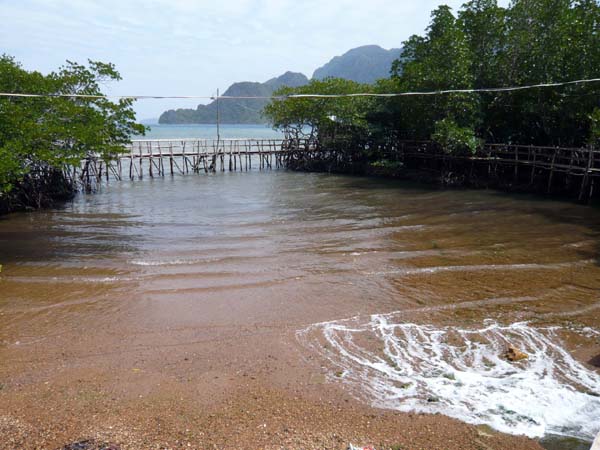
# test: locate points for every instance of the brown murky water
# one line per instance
(187, 292)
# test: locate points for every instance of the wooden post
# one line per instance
(235, 144)
(199, 153)
(131, 164)
(531, 149)
(585, 177)
(516, 176)
(141, 174)
(162, 162)
(171, 157)
(568, 175)
(248, 147)
(150, 160)
(261, 155)
(551, 171)
(184, 159)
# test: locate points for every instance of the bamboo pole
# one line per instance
(141, 171)
(531, 149)
(551, 171)
(585, 177)
(171, 157)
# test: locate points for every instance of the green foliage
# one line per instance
(546, 41)
(455, 139)
(57, 131)
(595, 127)
(441, 60)
(483, 24)
(483, 45)
(307, 117)
(531, 42)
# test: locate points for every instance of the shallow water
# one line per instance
(434, 282)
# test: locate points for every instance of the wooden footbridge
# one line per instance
(575, 171)
(160, 157)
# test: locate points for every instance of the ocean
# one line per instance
(209, 131)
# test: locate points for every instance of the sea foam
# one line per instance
(462, 373)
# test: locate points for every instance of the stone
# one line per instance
(514, 354)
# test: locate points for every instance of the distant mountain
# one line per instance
(362, 64)
(235, 111)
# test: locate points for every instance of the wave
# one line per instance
(68, 279)
(462, 373)
(189, 261)
(481, 267)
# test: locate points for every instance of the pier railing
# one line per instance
(160, 157)
(572, 169)
(549, 169)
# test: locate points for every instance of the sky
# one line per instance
(193, 47)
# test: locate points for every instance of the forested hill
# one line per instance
(235, 111)
(364, 64)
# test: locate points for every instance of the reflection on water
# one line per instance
(249, 250)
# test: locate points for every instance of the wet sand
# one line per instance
(165, 314)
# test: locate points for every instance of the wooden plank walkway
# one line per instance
(160, 157)
(573, 169)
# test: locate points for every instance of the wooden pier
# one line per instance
(574, 171)
(552, 170)
(161, 157)
(565, 171)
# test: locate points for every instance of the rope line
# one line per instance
(292, 96)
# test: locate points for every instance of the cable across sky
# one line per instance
(292, 96)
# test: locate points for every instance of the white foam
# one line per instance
(461, 373)
(170, 262)
(68, 279)
(479, 268)
(157, 263)
(177, 261)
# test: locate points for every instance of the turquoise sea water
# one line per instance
(207, 131)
